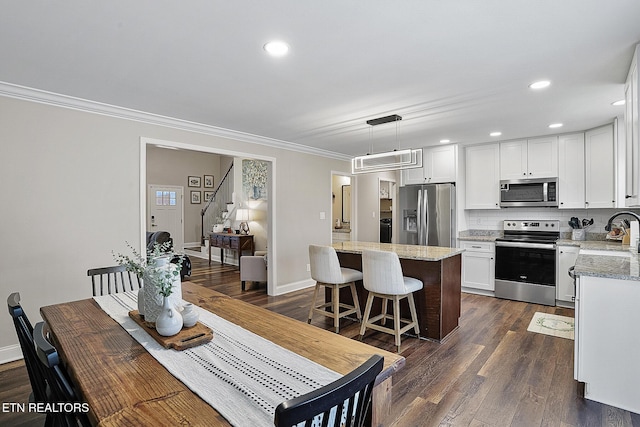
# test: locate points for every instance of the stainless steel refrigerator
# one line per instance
(428, 215)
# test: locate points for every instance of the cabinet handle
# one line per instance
(476, 247)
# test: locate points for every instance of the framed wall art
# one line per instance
(195, 197)
(208, 181)
(208, 195)
(193, 181)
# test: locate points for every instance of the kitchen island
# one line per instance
(439, 269)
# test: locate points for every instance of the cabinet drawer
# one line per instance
(477, 246)
(234, 243)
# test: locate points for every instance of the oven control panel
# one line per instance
(519, 225)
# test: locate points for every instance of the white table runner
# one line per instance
(240, 374)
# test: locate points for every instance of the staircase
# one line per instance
(219, 208)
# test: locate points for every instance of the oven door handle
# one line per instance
(527, 245)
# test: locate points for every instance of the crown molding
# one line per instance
(64, 101)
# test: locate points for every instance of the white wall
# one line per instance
(72, 196)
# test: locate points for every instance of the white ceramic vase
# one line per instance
(152, 299)
(189, 315)
(169, 321)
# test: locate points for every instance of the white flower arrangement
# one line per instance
(141, 266)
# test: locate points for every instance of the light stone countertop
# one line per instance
(479, 238)
(613, 267)
(480, 235)
(342, 230)
(423, 253)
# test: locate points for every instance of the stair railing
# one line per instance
(212, 199)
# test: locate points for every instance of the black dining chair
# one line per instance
(24, 329)
(111, 280)
(59, 388)
(344, 402)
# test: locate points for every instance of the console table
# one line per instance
(234, 242)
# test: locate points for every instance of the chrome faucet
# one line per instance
(633, 214)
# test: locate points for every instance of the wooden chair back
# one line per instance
(344, 402)
(60, 389)
(111, 280)
(24, 329)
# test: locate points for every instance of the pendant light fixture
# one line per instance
(390, 160)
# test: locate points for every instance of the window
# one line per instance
(165, 198)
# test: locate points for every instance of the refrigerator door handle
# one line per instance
(425, 217)
(419, 218)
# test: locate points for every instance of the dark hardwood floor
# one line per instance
(490, 372)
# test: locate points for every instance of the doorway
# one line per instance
(165, 212)
(387, 191)
(342, 210)
(269, 194)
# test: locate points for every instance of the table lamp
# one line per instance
(243, 216)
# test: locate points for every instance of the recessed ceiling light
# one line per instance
(540, 84)
(555, 125)
(621, 102)
(444, 141)
(276, 48)
(495, 134)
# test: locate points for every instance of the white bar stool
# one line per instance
(383, 279)
(326, 271)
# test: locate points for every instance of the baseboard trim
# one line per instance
(294, 286)
(10, 353)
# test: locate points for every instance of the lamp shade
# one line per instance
(242, 215)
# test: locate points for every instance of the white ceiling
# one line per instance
(454, 69)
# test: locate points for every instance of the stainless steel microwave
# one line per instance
(529, 192)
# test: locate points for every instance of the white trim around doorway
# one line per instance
(271, 232)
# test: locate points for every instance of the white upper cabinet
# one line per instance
(571, 177)
(632, 133)
(532, 158)
(482, 174)
(439, 165)
(599, 168)
(513, 159)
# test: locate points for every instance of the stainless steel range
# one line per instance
(526, 261)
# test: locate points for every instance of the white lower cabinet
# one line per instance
(607, 326)
(478, 266)
(565, 290)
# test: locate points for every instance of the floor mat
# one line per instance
(552, 324)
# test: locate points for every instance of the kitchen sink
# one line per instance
(597, 252)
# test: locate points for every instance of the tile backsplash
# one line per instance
(492, 219)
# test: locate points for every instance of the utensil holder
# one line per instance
(579, 234)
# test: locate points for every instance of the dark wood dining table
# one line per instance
(124, 385)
